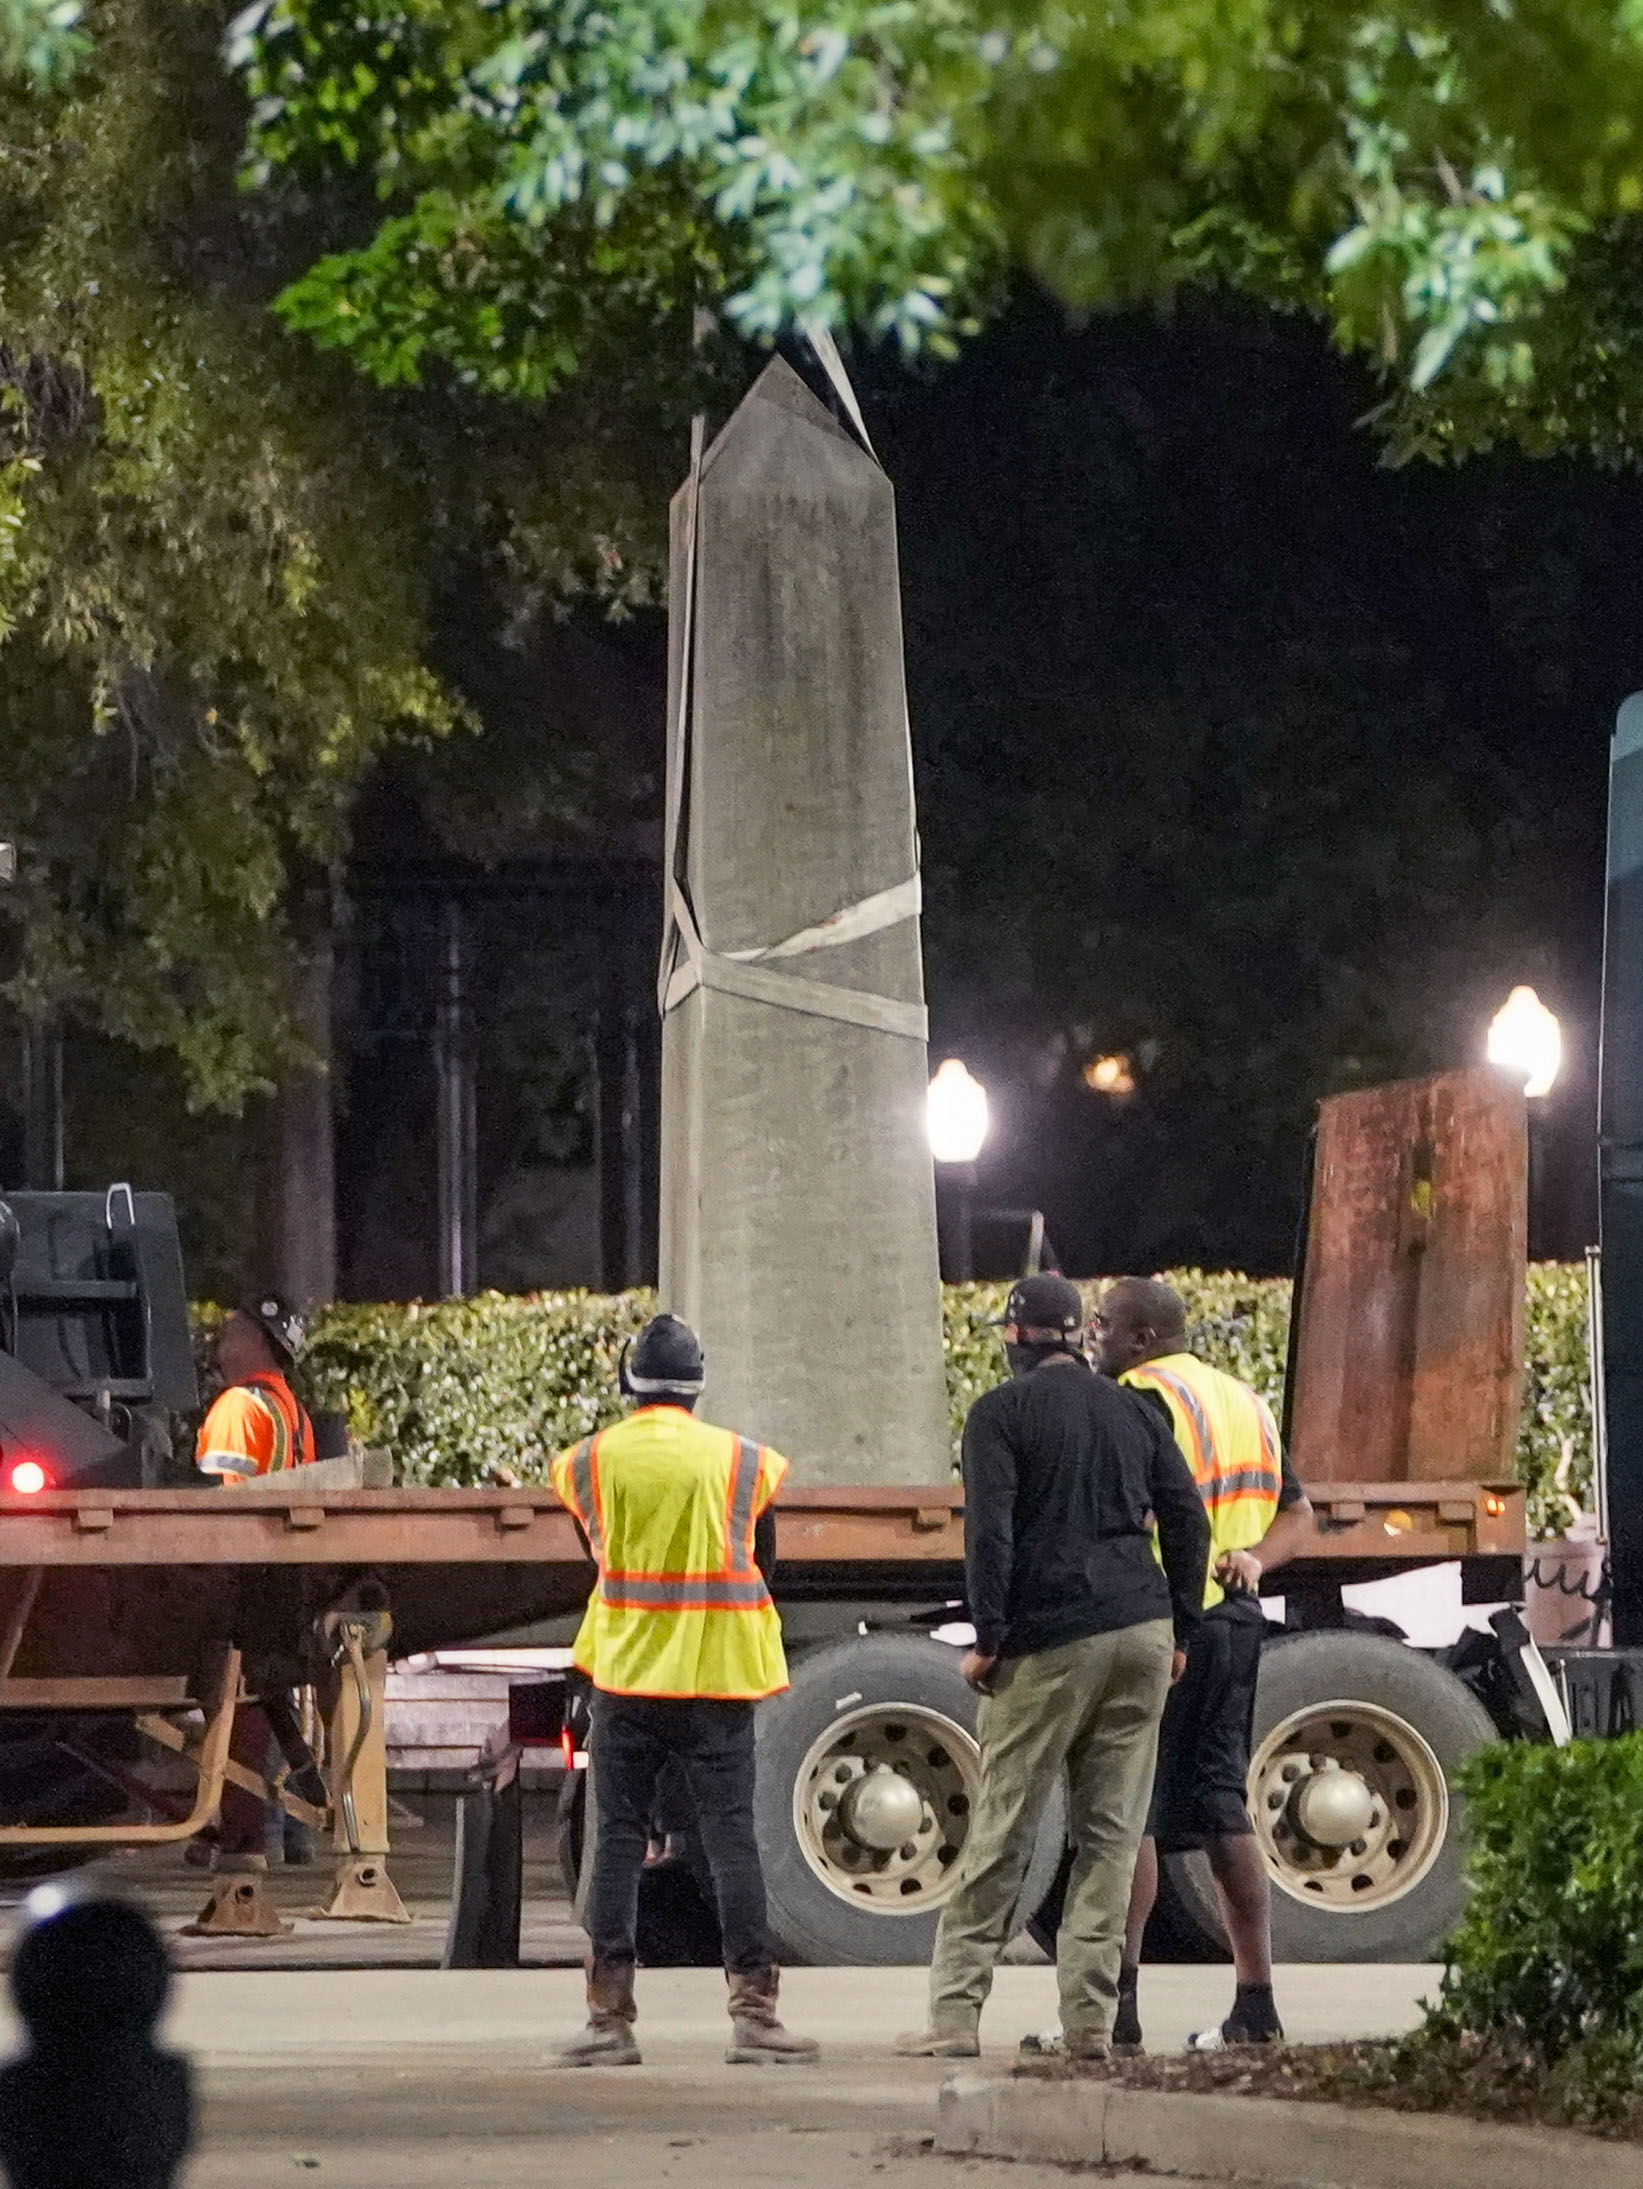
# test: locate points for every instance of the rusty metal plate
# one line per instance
(1409, 1353)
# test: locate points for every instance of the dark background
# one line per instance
(1240, 756)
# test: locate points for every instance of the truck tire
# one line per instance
(1352, 1730)
(860, 1880)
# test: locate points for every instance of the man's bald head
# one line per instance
(1138, 1319)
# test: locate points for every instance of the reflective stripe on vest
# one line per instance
(737, 1586)
(288, 1429)
(1230, 1441)
(1217, 1486)
(585, 1484)
(1202, 1455)
(280, 1457)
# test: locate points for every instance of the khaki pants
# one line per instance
(1092, 1708)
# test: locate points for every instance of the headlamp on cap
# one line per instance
(281, 1322)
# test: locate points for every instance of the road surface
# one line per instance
(342, 2055)
(414, 2079)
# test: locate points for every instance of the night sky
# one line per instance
(1240, 754)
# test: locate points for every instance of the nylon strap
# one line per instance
(757, 982)
(687, 963)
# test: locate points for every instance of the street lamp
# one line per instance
(1526, 1040)
(957, 1123)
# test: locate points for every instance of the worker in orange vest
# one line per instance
(257, 1425)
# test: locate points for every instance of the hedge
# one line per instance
(486, 1390)
(1546, 1967)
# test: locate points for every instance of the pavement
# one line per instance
(345, 2056)
(408, 2079)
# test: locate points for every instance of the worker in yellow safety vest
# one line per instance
(1258, 1516)
(681, 1640)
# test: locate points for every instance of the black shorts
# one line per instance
(1204, 1741)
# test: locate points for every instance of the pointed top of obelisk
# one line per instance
(780, 389)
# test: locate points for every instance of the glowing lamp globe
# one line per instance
(1525, 1039)
(957, 1114)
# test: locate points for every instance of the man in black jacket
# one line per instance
(1079, 1632)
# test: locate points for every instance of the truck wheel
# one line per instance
(1357, 1739)
(868, 1777)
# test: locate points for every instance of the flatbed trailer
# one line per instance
(132, 1622)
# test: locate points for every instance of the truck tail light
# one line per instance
(27, 1477)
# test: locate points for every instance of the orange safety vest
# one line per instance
(1230, 1441)
(258, 1427)
(680, 1608)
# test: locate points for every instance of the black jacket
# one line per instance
(1064, 1474)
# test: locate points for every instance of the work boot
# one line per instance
(608, 2039)
(756, 2034)
(941, 2041)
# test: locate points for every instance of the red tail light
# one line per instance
(27, 1477)
(567, 1747)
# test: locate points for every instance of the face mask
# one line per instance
(1025, 1358)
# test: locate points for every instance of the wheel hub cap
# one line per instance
(1349, 1803)
(1333, 1807)
(882, 1806)
(882, 1810)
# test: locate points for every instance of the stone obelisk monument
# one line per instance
(798, 1226)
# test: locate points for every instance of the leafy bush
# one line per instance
(485, 1390)
(1547, 1964)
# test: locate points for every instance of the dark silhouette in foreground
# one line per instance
(94, 2103)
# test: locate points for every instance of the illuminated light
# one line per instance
(28, 1478)
(1398, 1522)
(567, 1747)
(1526, 1040)
(1110, 1075)
(1494, 1506)
(957, 1114)
(46, 1901)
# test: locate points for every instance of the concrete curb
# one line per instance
(1284, 2143)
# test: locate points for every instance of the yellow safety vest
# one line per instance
(1230, 1441)
(668, 1505)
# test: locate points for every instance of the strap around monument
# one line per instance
(820, 339)
(743, 973)
(687, 964)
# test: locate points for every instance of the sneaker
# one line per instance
(1234, 2032)
(1053, 2045)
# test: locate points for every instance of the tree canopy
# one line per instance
(40, 40)
(1457, 189)
(225, 558)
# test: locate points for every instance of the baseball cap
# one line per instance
(1045, 1303)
